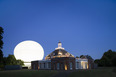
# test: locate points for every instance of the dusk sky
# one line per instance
(85, 27)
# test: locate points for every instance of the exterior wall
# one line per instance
(63, 63)
(41, 64)
(34, 65)
(81, 63)
(90, 64)
(45, 64)
(13, 67)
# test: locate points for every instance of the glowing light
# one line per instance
(65, 67)
(38, 67)
(87, 66)
(60, 53)
(84, 64)
(29, 51)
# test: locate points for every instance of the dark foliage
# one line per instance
(81, 56)
(108, 59)
(11, 60)
(77, 57)
(86, 56)
(1, 46)
(1, 37)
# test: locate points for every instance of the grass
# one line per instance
(27, 73)
(102, 72)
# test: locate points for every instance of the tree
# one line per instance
(1, 57)
(20, 62)
(108, 59)
(1, 37)
(82, 56)
(86, 56)
(11, 60)
(77, 57)
(1, 46)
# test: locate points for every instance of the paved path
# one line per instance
(62, 74)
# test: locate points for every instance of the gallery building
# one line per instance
(60, 59)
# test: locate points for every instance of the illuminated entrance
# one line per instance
(65, 67)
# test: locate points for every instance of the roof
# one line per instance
(59, 42)
(59, 52)
(55, 52)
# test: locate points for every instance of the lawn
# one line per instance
(102, 72)
(27, 73)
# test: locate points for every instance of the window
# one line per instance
(70, 65)
(54, 66)
(40, 65)
(53, 54)
(77, 65)
(61, 66)
(57, 66)
(34, 66)
(83, 65)
(65, 66)
(49, 65)
(44, 65)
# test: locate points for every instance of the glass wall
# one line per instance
(49, 65)
(58, 66)
(70, 65)
(77, 65)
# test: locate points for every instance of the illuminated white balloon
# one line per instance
(29, 51)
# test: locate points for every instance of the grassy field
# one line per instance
(102, 72)
(27, 73)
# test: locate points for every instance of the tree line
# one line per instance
(107, 60)
(10, 60)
